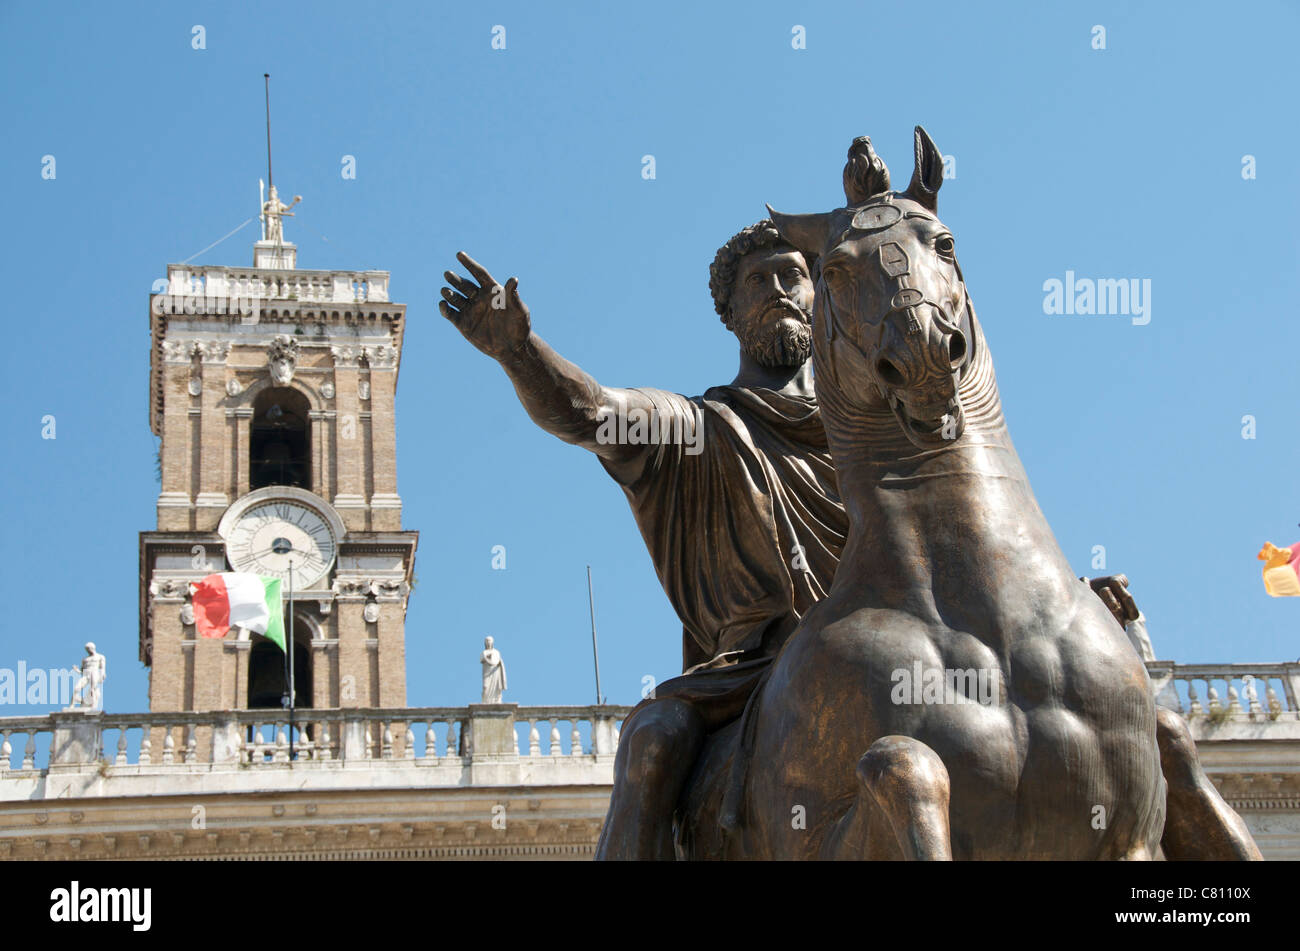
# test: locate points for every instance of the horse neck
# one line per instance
(946, 533)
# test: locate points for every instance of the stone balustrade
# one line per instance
(512, 743)
(437, 782)
(1212, 695)
(481, 781)
(226, 283)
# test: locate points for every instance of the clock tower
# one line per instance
(271, 392)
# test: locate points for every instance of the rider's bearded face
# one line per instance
(771, 307)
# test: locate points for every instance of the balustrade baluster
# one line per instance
(386, 750)
(6, 751)
(555, 738)
(120, 759)
(281, 744)
(430, 743)
(534, 741)
(29, 751)
(1252, 697)
(1194, 703)
(191, 744)
(575, 740)
(408, 743)
(1290, 681)
(1274, 705)
(323, 751)
(169, 745)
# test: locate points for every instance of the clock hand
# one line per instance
(293, 551)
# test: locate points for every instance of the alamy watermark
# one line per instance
(935, 685)
(248, 309)
(75, 903)
(641, 427)
(37, 686)
(1103, 297)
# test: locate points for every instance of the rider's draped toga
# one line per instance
(738, 505)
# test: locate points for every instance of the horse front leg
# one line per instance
(903, 781)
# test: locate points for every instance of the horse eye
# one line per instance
(944, 244)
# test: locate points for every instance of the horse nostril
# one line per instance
(956, 350)
(889, 373)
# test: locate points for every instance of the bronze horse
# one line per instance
(951, 577)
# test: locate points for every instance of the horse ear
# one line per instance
(927, 174)
(806, 233)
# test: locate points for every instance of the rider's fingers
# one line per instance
(479, 271)
(455, 316)
(1129, 605)
(1108, 599)
(462, 284)
(456, 300)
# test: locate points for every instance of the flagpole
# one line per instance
(270, 180)
(595, 654)
(289, 653)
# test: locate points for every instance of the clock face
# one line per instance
(273, 534)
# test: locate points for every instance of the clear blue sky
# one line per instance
(1117, 163)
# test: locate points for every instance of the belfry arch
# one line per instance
(279, 442)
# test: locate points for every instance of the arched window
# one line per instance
(279, 444)
(266, 686)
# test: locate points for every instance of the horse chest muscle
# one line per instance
(1035, 696)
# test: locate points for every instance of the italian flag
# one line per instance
(238, 599)
(1281, 570)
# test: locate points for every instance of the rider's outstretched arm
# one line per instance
(560, 397)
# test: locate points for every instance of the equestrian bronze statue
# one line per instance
(957, 693)
(754, 481)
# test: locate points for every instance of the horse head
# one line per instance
(894, 329)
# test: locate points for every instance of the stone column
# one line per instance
(392, 645)
(174, 496)
(319, 457)
(353, 657)
(214, 455)
(386, 505)
(167, 673)
(209, 666)
(349, 493)
(243, 426)
(239, 654)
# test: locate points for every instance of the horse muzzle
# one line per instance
(919, 369)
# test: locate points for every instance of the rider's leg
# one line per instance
(656, 751)
(906, 781)
(1198, 823)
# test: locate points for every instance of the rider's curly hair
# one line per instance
(722, 272)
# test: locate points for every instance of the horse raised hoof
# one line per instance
(908, 783)
(1199, 825)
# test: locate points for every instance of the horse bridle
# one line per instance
(895, 262)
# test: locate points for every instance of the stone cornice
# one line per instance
(562, 823)
(355, 319)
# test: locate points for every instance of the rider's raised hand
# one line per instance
(1114, 593)
(491, 317)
